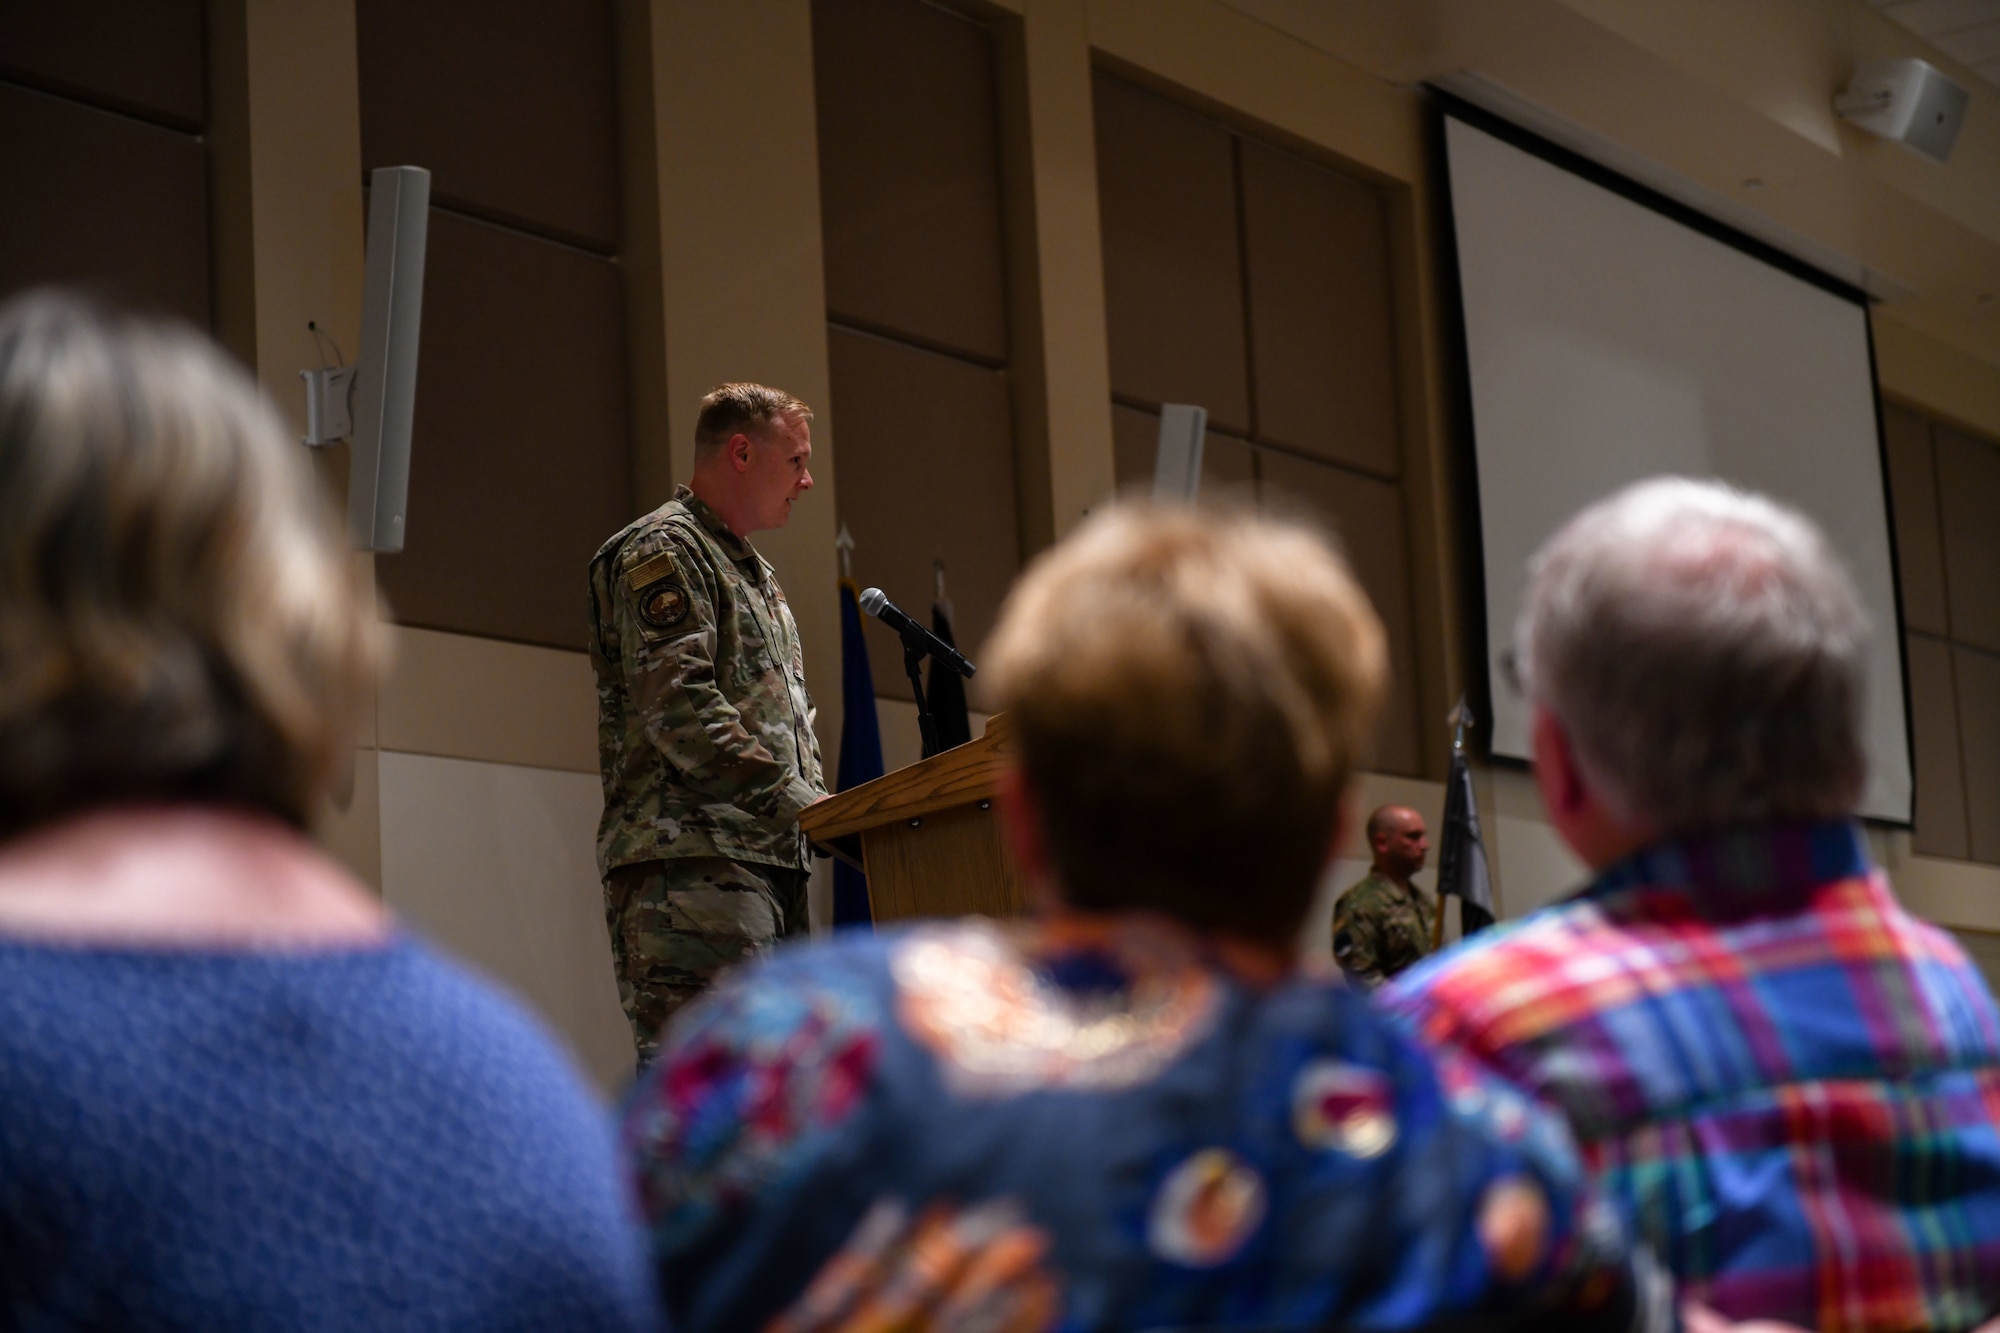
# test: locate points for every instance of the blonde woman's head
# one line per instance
(179, 619)
(1192, 691)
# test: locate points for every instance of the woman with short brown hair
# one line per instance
(232, 1093)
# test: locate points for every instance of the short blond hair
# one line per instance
(179, 617)
(729, 408)
(1192, 691)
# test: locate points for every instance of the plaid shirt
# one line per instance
(1790, 1084)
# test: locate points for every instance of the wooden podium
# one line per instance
(929, 839)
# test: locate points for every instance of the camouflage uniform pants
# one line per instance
(675, 924)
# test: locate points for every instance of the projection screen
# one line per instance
(1610, 339)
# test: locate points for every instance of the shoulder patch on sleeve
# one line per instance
(664, 604)
(650, 571)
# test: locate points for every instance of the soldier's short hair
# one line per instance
(1191, 691)
(729, 408)
(1705, 653)
(180, 618)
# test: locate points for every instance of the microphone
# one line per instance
(915, 637)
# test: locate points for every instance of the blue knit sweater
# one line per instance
(350, 1139)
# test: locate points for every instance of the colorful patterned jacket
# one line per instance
(1790, 1085)
(1197, 1151)
(704, 728)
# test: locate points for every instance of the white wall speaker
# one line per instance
(385, 388)
(1177, 463)
(1907, 101)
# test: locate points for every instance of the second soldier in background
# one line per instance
(1384, 923)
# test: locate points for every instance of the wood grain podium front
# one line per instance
(929, 836)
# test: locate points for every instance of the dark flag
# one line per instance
(860, 749)
(945, 690)
(1462, 872)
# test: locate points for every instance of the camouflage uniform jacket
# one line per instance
(704, 727)
(1379, 929)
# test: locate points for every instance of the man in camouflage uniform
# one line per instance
(704, 727)
(1384, 923)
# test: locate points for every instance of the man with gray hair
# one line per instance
(1789, 1084)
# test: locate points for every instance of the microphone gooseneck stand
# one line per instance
(913, 661)
(918, 643)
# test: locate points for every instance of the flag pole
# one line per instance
(1458, 718)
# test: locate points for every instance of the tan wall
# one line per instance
(285, 142)
(1934, 376)
(1954, 385)
(487, 859)
(1248, 72)
(1057, 278)
(742, 291)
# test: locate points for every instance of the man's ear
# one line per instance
(739, 448)
(1592, 829)
(1021, 827)
(1556, 773)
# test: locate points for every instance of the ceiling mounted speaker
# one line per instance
(1907, 101)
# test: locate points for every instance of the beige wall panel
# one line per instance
(139, 56)
(99, 199)
(1968, 476)
(1983, 948)
(1059, 360)
(509, 703)
(910, 173)
(1978, 676)
(1941, 379)
(927, 473)
(349, 826)
(1322, 334)
(1433, 464)
(1939, 818)
(1531, 864)
(284, 149)
(363, 566)
(1227, 463)
(512, 107)
(743, 290)
(1951, 893)
(1226, 54)
(496, 864)
(1173, 275)
(1228, 468)
(639, 171)
(519, 467)
(1325, 103)
(1368, 516)
(1914, 501)
(286, 137)
(1135, 443)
